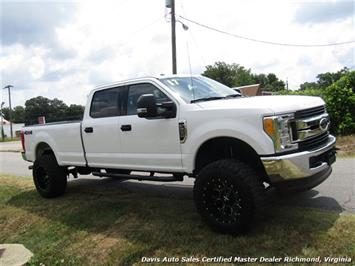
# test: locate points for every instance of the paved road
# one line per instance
(10, 146)
(336, 193)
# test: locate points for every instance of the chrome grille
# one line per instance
(314, 142)
(310, 128)
(310, 112)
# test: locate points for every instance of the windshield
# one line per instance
(193, 89)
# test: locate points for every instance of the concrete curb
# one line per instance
(14, 255)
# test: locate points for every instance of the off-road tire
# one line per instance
(229, 196)
(50, 179)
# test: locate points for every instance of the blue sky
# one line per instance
(63, 49)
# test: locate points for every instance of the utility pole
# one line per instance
(8, 87)
(2, 122)
(286, 83)
(173, 35)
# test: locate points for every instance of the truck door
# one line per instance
(100, 130)
(149, 144)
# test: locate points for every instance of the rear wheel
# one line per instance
(49, 178)
(228, 195)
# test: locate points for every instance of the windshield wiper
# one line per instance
(216, 98)
(207, 99)
(233, 95)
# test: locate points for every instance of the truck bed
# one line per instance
(63, 137)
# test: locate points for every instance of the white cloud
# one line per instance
(104, 41)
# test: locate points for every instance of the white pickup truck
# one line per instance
(178, 126)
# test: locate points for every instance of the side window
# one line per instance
(104, 103)
(135, 91)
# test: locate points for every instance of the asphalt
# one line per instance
(14, 146)
(337, 193)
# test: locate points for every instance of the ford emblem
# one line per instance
(324, 123)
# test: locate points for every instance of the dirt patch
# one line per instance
(346, 145)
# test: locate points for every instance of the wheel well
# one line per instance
(226, 148)
(43, 148)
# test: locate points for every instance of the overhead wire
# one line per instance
(193, 39)
(264, 41)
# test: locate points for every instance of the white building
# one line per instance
(6, 125)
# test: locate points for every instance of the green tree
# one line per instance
(6, 113)
(269, 82)
(75, 111)
(261, 79)
(328, 78)
(35, 107)
(222, 72)
(309, 86)
(58, 108)
(324, 80)
(340, 99)
(53, 110)
(243, 76)
(17, 114)
(233, 75)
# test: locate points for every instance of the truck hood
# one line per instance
(270, 104)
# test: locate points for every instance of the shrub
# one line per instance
(340, 100)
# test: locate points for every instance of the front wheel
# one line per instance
(228, 195)
(50, 179)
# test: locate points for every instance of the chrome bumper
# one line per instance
(297, 165)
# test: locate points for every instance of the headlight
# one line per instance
(279, 130)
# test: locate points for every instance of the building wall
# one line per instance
(15, 127)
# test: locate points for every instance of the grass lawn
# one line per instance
(99, 225)
(9, 139)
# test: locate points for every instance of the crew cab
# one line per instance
(182, 126)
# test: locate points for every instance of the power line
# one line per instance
(262, 41)
(192, 36)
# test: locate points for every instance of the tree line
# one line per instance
(234, 75)
(53, 110)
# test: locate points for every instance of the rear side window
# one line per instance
(105, 103)
(135, 91)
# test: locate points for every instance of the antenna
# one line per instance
(191, 79)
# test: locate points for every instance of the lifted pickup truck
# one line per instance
(192, 126)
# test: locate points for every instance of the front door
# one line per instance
(149, 144)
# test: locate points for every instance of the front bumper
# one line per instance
(301, 165)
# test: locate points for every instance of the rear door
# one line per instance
(149, 144)
(100, 130)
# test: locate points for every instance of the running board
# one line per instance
(138, 177)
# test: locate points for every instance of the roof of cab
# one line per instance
(118, 83)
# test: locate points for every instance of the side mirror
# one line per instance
(147, 106)
(167, 109)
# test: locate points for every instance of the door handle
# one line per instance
(126, 127)
(89, 130)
